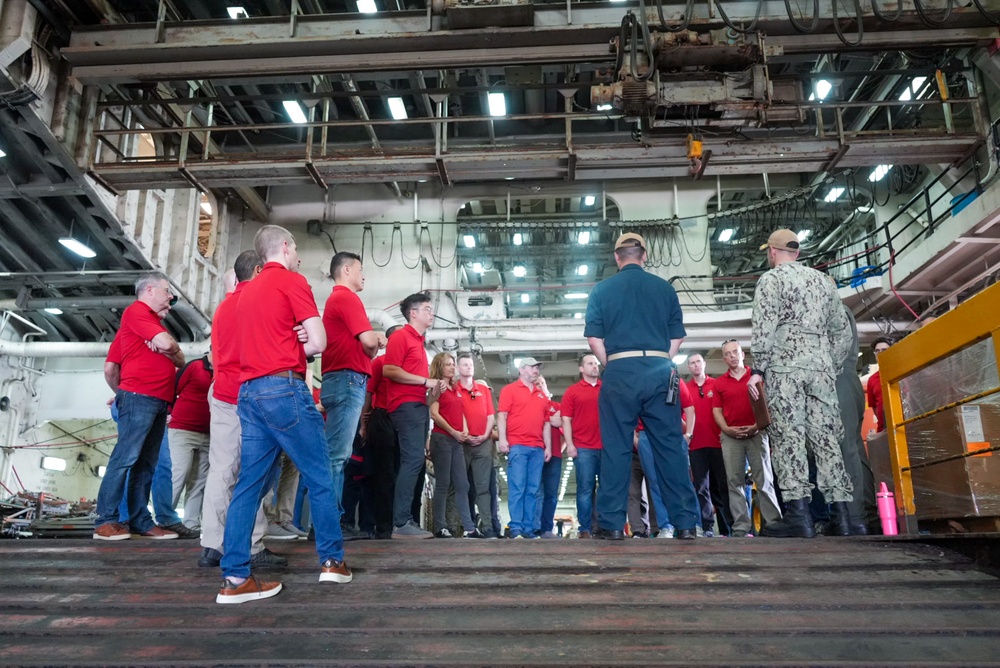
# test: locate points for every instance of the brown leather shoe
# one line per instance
(112, 531)
(584, 534)
(158, 533)
(251, 590)
(335, 571)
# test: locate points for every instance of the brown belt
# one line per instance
(287, 374)
(638, 353)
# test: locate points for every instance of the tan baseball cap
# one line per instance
(630, 240)
(785, 240)
(529, 361)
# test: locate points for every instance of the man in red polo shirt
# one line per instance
(143, 383)
(406, 369)
(277, 414)
(188, 436)
(742, 441)
(477, 402)
(708, 470)
(224, 429)
(347, 361)
(379, 434)
(582, 433)
(525, 436)
(873, 391)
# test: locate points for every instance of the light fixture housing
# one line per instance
(53, 463)
(101, 470)
(54, 311)
(589, 200)
(604, 107)
(679, 358)
(582, 270)
(578, 316)
(294, 111)
(518, 239)
(576, 295)
(803, 234)
(879, 173)
(77, 247)
(367, 7)
(469, 240)
(833, 195)
(520, 271)
(583, 238)
(237, 13)
(823, 88)
(478, 267)
(497, 103)
(726, 234)
(397, 108)
(525, 298)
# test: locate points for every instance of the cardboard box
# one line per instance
(967, 487)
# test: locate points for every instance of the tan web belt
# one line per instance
(638, 353)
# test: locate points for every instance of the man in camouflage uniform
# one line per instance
(801, 337)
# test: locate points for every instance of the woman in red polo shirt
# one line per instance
(447, 452)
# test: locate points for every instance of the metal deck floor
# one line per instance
(821, 602)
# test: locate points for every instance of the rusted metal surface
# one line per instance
(825, 602)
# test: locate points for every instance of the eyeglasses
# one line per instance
(701, 391)
(727, 341)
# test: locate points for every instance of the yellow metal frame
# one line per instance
(975, 320)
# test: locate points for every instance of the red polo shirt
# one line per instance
(685, 403)
(271, 306)
(706, 432)
(527, 411)
(733, 397)
(477, 406)
(874, 394)
(406, 350)
(580, 403)
(190, 410)
(450, 407)
(344, 319)
(378, 386)
(557, 432)
(226, 348)
(142, 370)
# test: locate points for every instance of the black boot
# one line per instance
(840, 519)
(796, 523)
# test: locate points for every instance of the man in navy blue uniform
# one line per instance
(634, 325)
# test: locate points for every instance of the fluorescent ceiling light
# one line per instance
(77, 247)
(823, 88)
(206, 206)
(3, 153)
(582, 270)
(520, 271)
(577, 316)
(54, 463)
(469, 241)
(589, 200)
(879, 173)
(525, 298)
(367, 7)
(478, 267)
(833, 195)
(497, 103)
(54, 311)
(518, 238)
(604, 107)
(576, 295)
(295, 112)
(679, 358)
(912, 89)
(727, 234)
(101, 470)
(583, 238)
(397, 108)
(508, 178)
(237, 13)
(803, 234)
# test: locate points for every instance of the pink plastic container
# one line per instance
(887, 511)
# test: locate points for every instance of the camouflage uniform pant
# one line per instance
(805, 420)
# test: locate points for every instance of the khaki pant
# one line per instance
(223, 469)
(189, 470)
(282, 510)
(736, 452)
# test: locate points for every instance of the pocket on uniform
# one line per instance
(279, 411)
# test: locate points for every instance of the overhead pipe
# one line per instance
(192, 316)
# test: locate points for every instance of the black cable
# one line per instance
(332, 243)
(622, 37)
(402, 252)
(982, 10)
(800, 27)
(732, 26)
(860, 20)
(685, 19)
(930, 22)
(885, 17)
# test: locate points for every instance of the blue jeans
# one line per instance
(279, 414)
(634, 388)
(343, 397)
(649, 470)
(163, 493)
(142, 421)
(548, 495)
(524, 476)
(588, 470)
(411, 421)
